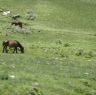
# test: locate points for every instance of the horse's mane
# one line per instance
(20, 44)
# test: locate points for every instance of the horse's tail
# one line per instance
(5, 43)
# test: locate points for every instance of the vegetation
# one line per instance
(60, 48)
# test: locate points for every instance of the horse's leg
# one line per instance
(3, 49)
(16, 49)
(6, 49)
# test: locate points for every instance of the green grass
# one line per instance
(58, 60)
(54, 75)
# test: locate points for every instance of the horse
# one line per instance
(17, 23)
(12, 44)
(15, 17)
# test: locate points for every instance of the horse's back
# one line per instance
(13, 43)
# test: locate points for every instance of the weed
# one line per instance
(4, 77)
(34, 91)
(79, 52)
(89, 54)
(66, 45)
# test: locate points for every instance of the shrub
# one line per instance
(90, 54)
(34, 91)
(59, 41)
(80, 52)
(4, 77)
(63, 54)
(66, 45)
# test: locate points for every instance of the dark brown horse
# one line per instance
(15, 17)
(12, 44)
(17, 23)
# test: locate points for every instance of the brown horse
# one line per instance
(12, 44)
(17, 23)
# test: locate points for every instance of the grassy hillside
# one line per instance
(60, 48)
(65, 14)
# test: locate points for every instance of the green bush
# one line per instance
(80, 52)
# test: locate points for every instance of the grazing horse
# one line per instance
(17, 24)
(15, 17)
(12, 44)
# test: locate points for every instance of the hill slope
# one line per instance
(60, 48)
(63, 14)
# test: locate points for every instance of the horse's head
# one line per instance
(22, 49)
